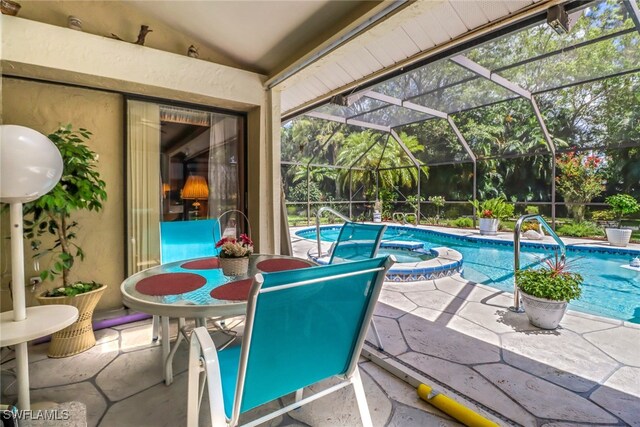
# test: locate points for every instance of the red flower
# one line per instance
(225, 240)
(246, 240)
(487, 213)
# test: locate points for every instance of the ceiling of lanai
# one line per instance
(309, 49)
(261, 35)
(301, 44)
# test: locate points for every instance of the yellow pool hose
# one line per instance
(449, 406)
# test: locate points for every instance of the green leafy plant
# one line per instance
(463, 222)
(79, 188)
(608, 215)
(580, 229)
(532, 210)
(438, 202)
(388, 198)
(553, 281)
(580, 179)
(621, 205)
(530, 225)
(73, 290)
(414, 202)
(497, 207)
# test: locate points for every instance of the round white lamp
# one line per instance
(30, 166)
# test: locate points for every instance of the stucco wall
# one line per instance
(43, 107)
(35, 50)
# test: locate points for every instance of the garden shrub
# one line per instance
(581, 229)
(531, 210)
(603, 215)
(462, 222)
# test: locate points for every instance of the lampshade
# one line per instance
(30, 164)
(195, 188)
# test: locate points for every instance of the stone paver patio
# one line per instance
(119, 383)
(460, 336)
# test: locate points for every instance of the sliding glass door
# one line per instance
(183, 164)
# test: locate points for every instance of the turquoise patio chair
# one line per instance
(181, 240)
(357, 242)
(302, 327)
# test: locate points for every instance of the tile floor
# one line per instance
(120, 382)
(461, 336)
(453, 334)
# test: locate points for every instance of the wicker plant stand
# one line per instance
(77, 337)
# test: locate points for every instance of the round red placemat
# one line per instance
(233, 291)
(202, 264)
(281, 264)
(170, 284)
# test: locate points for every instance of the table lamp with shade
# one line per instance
(195, 188)
(30, 166)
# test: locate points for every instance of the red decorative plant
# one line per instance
(487, 213)
(230, 247)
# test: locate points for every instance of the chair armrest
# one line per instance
(203, 356)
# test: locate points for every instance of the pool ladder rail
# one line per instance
(517, 306)
(318, 215)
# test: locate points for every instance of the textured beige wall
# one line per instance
(106, 17)
(43, 107)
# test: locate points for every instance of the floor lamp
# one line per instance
(30, 166)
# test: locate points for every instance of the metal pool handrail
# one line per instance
(318, 215)
(516, 253)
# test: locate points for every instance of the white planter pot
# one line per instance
(543, 313)
(489, 226)
(618, 236)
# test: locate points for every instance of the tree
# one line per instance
(367, 151)
(580, 180)
(79, 188)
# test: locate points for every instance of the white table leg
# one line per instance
(166, 345)
(22, 365)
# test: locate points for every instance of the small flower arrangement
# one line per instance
(73, 290)
(230, 247)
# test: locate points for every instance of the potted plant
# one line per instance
(546, 291)
(79, 188)
(491, 211)
(234, 254)
(621, 205)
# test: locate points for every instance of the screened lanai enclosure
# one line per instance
(549, 120)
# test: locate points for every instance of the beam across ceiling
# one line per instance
(634, 11)
(527, 16)
(484, 72)
(416, 107)
(346, 121)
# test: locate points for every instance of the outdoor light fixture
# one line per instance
(558, 19)
(195, 188)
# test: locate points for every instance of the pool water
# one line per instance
(405, 255)
(608, 290)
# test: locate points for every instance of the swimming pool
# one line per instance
(608, 290)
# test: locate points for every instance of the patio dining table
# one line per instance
(197, 289)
